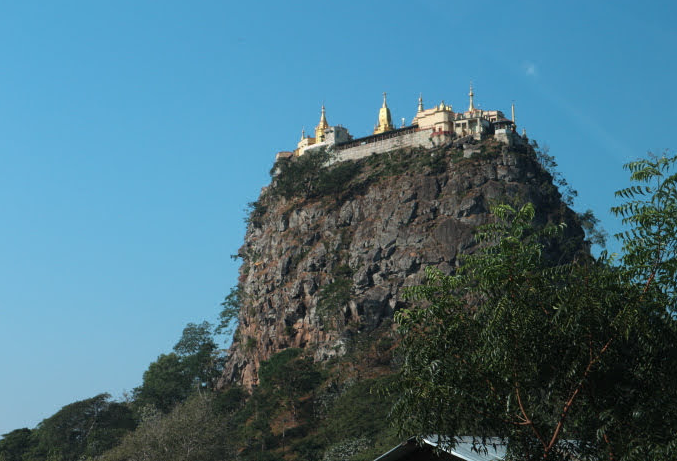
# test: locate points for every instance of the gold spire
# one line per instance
(420, 102)
(303, 133)
(323, 116)
(384, 120)
(319, 129)
(472, 103)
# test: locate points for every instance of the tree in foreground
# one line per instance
(650, 243)
(561, 361)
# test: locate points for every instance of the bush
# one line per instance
(289, 373)
(347, 418)
(344, 451)
(337, 178)
(310, 176)
(333, 298)
(255, 211)
(230, 400)
(298, 175)
(191, 431)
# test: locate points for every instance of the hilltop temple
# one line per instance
(429, 128)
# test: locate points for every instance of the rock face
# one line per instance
(317, 271)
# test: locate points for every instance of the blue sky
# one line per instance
(133, 134)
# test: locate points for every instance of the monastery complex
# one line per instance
(429, 128)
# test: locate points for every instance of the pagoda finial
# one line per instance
(472, 102)
(323, 125)
(303, 133)
(384, 100)
(420, 102)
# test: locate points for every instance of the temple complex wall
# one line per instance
(421, 138)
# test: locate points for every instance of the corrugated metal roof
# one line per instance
(399, 451)
(470, 448)
(465, 448)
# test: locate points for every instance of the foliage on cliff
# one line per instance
(314, 175)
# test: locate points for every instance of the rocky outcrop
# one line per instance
(317, 271)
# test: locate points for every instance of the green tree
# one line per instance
(649, 245)
(195, 364)
(199, 354)
(289, 375)
(85, 428)
(165, 383)
(230, 310)
(561, 360)
(195, 339)
(14, 444)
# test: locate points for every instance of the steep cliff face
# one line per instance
(320, 270)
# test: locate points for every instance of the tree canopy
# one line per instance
(562, 360)
(14, 444)
(195, 364)
(650, 211)
(82, 429)
(192, 430)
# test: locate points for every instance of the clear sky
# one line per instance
(133, 134)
